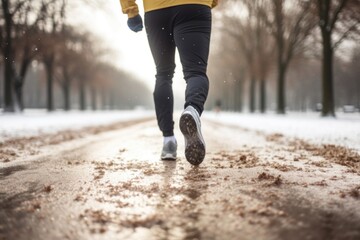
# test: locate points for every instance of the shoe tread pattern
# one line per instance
(194, 149)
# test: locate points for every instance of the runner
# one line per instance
(185, 25)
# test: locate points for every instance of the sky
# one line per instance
(129, 51)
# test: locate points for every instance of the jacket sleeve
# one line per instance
(129, 7)
(214, 3)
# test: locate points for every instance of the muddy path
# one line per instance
(112, 185)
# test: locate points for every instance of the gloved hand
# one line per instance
(135, 23)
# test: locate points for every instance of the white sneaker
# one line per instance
(190, 127)
(169, 151)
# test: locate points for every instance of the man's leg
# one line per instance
(192, 37)
(162, 47)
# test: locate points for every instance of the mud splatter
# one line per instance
(235, 159)
(273, 180)
(336, 154)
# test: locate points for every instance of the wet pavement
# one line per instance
(112, 185)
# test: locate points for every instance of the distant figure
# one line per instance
(185, 25)
(218, 106)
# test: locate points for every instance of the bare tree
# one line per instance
(290, 26)
(243, 31)
(19, 46)
(85, 62)
(342, 17)
(354, 71)
(26, 39)
(251, 32)
(98, 83)
(67, 63)
(9, 9)
(264, 47)
(51, 29)
(227, 71)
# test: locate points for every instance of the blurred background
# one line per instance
(266, 56)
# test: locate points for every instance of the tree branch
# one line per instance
(336, 13)
(345, 35)
(18, 7)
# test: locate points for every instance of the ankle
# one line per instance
(169, 139)
(197, 110)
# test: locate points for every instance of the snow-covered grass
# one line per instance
(344, 130)
(35, 122)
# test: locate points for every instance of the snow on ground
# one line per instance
(35, 122)
(343, 130)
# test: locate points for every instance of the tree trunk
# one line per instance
(82, 96)
(328, 106)
(262, 96)
(281, 89)
(1, 86)
(280, 39)
(223, 97)
(238, 96)
(18, 89)
(39, 91)
(252, 94)
(358, 97)
(103, 99)
(8, 85)
(19, 82)
(8, 60)
(50, 81)
(112, 100)
(66, 89)
(93, 99)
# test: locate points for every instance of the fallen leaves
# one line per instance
(48, 188)
(272, 180)
(235, 159)
(354, 192)
(337, 154)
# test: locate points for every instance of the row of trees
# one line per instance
(263, 39)
(71, 59)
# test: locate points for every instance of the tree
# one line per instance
(354, 71)
(51, 31)
(7, 50)
(243, 31)
(26, 41)
(67, 64)
(227, 71)
(290, 29)
(342, 17)
(264, 50)
(250, 31)
(19, 40)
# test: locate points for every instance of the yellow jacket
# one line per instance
(130, 8)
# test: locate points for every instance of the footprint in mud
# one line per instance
(192, 193)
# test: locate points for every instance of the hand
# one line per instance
(135, 23)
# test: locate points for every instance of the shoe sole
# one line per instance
(168, 157)
(195, 148)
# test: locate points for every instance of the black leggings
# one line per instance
(187, 28)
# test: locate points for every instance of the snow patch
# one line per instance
(344, 130)
(35, 122)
